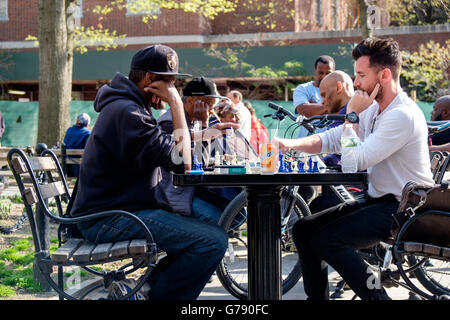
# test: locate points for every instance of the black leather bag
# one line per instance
(429, 209)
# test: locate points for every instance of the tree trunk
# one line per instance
(55, 71)
(366, 31)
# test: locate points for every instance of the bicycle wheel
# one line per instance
(433, 274)
(232, 270)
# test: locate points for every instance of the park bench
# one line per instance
(68, 157)
(49, 184)
(7, 177)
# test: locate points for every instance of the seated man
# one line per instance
(394, 151)
(336, 90)
(441, 111)
(306, 96)
(76, 138)
(121, 171)
(199, 97)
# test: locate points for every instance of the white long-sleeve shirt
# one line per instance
(393, 146)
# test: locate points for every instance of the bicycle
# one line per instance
(434, 274)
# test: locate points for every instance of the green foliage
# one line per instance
(102, 39)
(235, 60)
(267, 72)
(5, 208)
(267, 13)
(150, 8)
(418, 12)
(426, 69)
(15, 198)
(16, 268)
(6, 291)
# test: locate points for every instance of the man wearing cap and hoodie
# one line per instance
(76, 138)
(121, 170)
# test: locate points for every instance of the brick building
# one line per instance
(303, 30)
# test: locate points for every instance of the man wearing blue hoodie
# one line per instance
(121, 170)
(76, 138)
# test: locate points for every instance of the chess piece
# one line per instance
(234, 161)
(301, 167)
(294, 166)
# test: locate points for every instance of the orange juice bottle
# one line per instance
(268, 158)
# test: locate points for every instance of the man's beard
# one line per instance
(379, 93)
(335, 107)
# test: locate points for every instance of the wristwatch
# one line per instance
(352, 117)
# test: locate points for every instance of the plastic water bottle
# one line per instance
(349, 144)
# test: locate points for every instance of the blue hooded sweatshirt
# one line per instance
(121, 160)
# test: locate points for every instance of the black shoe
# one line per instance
(380, 294)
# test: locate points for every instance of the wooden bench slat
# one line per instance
(47, 191)
(413, 247)
(120, 248)
(138, 246)
(64, 253)
(432, 250)
(37, 164)
(446, 252)
(69, 152)
(83, 254)
(101, 251)
(52, 189)
(42, 163)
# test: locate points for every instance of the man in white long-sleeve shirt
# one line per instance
(394, 151)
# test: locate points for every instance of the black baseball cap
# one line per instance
(203, 87)
(157, 59)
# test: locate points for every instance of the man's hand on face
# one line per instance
(361, 100)
(201, 111)
(163, 90)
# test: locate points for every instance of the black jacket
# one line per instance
(122, 158)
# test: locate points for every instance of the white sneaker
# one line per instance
(119, 289)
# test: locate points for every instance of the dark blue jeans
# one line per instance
(194, 245)
(331, 237)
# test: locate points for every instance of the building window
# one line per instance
(3, 9)
(79, 9)
(319, 12)
(140, 7)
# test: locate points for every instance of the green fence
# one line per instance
(21, 118)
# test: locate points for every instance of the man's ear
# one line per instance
(445, 113)
(386, 74)
(339, 87)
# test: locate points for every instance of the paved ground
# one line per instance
(215, 291)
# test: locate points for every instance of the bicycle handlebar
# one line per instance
(306, 120)
(282, 110)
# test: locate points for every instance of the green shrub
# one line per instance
(5, 208)
(6, 291)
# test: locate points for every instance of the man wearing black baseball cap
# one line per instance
(199, 97)
(121, 170)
